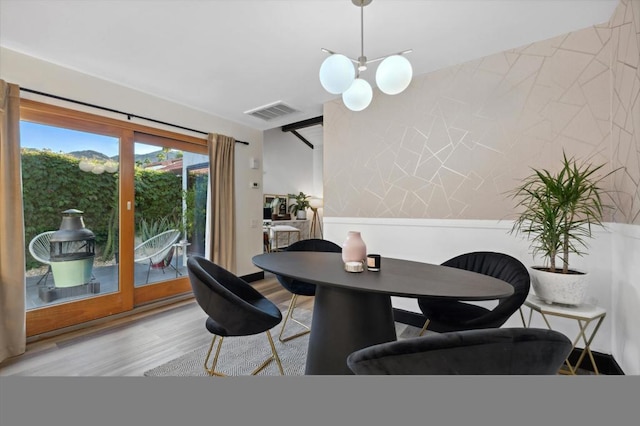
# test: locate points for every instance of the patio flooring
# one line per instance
(106, 276)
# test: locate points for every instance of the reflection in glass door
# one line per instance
(70, 185)
(169, 214)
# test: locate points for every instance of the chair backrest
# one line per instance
(234, 307)
(497, 265)
(315, 244)
(492, 351)
(40, 247)
(312, 244)
(156, 248)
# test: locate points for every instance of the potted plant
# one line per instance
(557, 213)
(300, 206)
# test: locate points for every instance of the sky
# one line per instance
(57, 139)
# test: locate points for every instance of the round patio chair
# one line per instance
(157, 251)
(40, 249)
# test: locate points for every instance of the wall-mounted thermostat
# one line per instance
(254, 185)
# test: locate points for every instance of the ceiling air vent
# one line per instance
(271, 111)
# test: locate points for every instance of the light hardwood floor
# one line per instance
(131, 345)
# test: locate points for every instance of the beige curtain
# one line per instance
(12, 269)
(222, 209)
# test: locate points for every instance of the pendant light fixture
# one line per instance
(338, 75)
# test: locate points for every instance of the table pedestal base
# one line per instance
(344, 321)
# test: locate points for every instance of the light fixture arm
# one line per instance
(370, 61)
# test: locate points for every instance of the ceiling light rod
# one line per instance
(338, 76)
(362, 60)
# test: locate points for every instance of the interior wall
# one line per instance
(33, 73)
(625, 297)
(625, 124)
(625, 103)
(288, 164)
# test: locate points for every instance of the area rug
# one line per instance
(239, 356)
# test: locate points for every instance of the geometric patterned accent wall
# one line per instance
(453, 143)
(625, 38)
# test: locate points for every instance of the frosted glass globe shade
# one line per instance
(337, 73)
(394, 74)
(358, 96)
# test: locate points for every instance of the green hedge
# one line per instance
(53, 182)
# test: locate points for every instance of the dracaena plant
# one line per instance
(559, 209)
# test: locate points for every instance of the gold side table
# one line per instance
(584, 314)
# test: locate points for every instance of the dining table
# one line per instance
(352, 310)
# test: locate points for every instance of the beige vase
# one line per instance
(551, 287)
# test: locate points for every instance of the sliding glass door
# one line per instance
(112, 211)
(169, 222)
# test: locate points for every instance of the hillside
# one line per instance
(152, 156)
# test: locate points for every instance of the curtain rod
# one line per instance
(129, 115)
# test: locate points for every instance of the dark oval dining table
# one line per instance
(352, 310)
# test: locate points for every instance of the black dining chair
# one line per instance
(491, 351)
(453, 315)
(234, 308)
(302, 288)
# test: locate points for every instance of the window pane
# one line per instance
(169, 211)
(65, 170)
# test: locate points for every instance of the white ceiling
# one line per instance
(228, 57)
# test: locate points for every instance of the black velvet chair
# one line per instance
(301, 288)
(451, 315)
(493, 351)
(233, 306)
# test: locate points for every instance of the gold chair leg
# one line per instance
(271, 358)
(424, 327)
(289, 316)
(211, 370)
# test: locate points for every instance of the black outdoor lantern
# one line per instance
(72, 250)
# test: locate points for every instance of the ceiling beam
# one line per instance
(302, 124)
(302, 138)
(293, 127)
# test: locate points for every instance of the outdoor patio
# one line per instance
(107, 277)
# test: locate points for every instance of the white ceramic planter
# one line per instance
(566, 289)
(302, 214)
